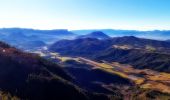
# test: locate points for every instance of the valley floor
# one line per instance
(142, 78)
(146, 78)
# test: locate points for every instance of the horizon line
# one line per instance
(86, 29)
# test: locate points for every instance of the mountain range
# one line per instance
(127, 67)
(139, 52)
(22, 37)
(155, 34)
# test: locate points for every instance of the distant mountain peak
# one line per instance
(98, 33)
(95, 34)
(130, 37)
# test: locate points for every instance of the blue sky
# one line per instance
(86, 14)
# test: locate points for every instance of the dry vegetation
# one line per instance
(146, 78)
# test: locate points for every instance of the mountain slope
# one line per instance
(91, 45)
(30, 77)
(84, 46)
(139, 42)
(138, 58)
(142, 53)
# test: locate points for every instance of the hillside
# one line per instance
(28, 76)
(84, 46)
(112, 78)
(132, 41)
(137, 58)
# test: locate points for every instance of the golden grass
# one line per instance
(148, 81)
(63, 59)
(139, 81)
(160, 77)
(103, 65)
(156, 86)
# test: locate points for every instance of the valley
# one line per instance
(143, 78)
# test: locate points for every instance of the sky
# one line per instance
(86, 14)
